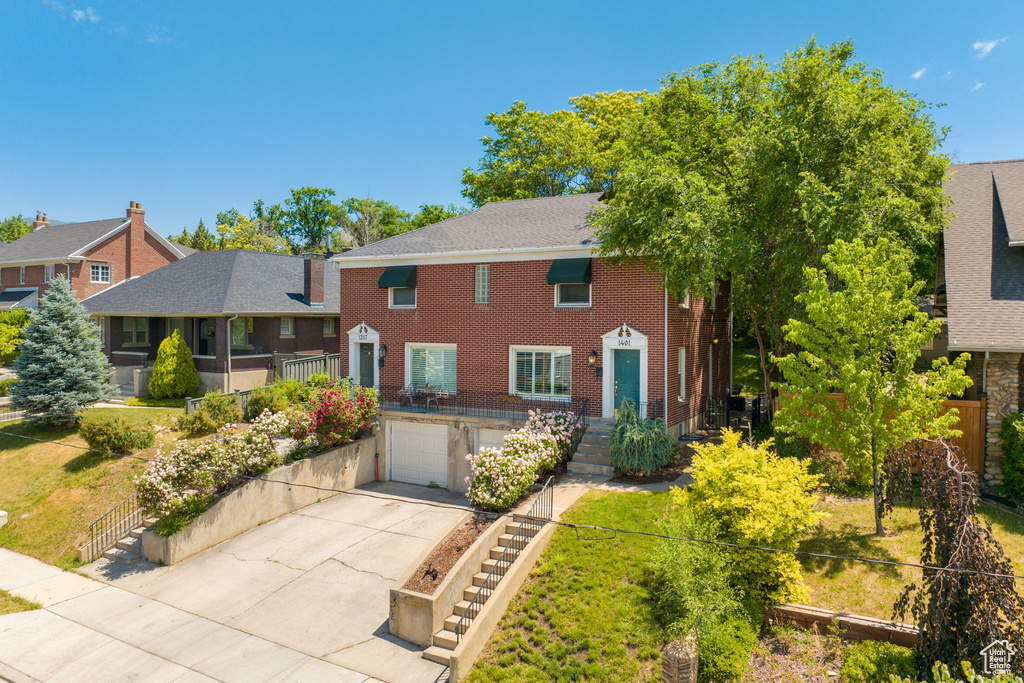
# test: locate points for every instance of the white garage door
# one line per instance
(419, 453)
(492, 438)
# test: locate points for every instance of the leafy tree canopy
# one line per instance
(203, 239)
(14, 227)
(433, 213)
(371, 220)
(309, 216)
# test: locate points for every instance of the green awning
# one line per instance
(398, 276)
(569, 271)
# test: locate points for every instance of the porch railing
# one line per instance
(488, 404)
(112, 527)
(530, 524)
(305, 366)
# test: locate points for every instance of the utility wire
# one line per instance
(568, 525)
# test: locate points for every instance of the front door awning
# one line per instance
(398, 276)
(569, 271)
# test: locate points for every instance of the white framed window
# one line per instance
(23, 275)
(483, 284)
(241, 333)
(431, 364)
(328, 327)
(100, 333)
(136, 331)
(572, 295)
(684, 300)
(540, 371)
(49, 272)
(401, 297)
(287, 327)
(681, 373)
(98, 273)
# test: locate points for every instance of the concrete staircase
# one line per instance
(129, 549)
(127, 389)
(593, 455)
(446, 639)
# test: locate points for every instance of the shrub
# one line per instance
(174, 372)
(725, 650)
(338, 413)
(269, 398)
(836, 472)
(755, 498)
(5, 385)
(539, 448)
(497, 479)
(12, 325)
(1012, 435)
(871, 661)
(116, 434)
(559, 424)
(197, 423)
(319, 380)
(223, 408)
(294, 392)
(639, 445)
(941, 674)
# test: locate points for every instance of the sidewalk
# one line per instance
(87, 631)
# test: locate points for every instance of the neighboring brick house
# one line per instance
(241, 313)
(93, 255)
(511, 300)
(980, 290)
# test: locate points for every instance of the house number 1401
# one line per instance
(624, 342)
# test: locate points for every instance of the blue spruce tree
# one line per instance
(61, 367)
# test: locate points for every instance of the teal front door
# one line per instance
(627, 376)
(366, 365)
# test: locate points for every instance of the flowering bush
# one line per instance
(561, 425)
(336, 414)
(498, 479)
(540, 448)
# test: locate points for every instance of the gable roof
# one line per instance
(66, 240)
(984, 271)
(215, 283)
(516, 225)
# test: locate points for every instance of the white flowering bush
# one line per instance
(540, 448)
(561, 425)
(498, 479)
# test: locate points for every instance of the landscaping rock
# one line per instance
(679, 661)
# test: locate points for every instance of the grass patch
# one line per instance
(60, 490)
(871, 590)
(150, 402)
(584, 613)
(9, 604)
(746, 370)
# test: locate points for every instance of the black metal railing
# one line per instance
(582, 425)
(490, 404)
(530, 524)
(652, 409)
(243, 401)
(760, 410)
(715, 412)
(112, 527)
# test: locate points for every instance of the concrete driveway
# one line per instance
(315, 581)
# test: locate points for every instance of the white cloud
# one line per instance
(920, 72)
(88, 14)
(977, 86)
(55, 5)
(155, 34)
(985, 46)
(946, 76)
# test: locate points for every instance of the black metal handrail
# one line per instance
(491, 404)
(530, 524)
(113, 526)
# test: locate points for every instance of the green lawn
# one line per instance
(583, 614)
(9, 604)
(149, 401)
(52, 493)
(746, 370)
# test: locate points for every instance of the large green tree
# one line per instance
(748, 171)
(61, 367)
(433, 213)
(203, 239)
(862, 335)
(309, 216)
(370, 220)
(537, 154)
(14, 227)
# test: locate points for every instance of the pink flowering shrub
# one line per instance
(337, 413)
(561, 425)
(540, 448)
(498, 479)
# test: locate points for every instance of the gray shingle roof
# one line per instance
(984, 274)
(544, 222)
(60, 241)
(212, 282)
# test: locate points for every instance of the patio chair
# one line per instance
(406, 395)
(433, 397)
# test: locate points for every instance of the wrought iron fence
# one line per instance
(243, 401)
(112, 527)
(715, 412)
(761, 410)
(530, 525)
(495, 405)
(303, 367)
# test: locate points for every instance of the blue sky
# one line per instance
(195, 107)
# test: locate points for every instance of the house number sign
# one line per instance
(363, 337)
(624, 342)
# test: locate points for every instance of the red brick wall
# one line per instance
(522, 312)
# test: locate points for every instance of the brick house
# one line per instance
(511, 302)
(240, 312)
(980, 290)
(93, 255)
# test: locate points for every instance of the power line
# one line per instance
(569, 525)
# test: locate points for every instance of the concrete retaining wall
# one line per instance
(259, 501)
(850, 626)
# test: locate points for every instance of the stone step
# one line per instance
(480, 577)
(461, 606)
(446, 639)
(505, 539)
(137, 532)
(470, 593)
(452, 623)
(594, 440)
(122, 556)
(438, 654)
(131, 544)
(498, 549)
(489, 564)
(592, 458)
(512, 527)
(585, 468)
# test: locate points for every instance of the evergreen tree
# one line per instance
(174, 372)
(61, 367)
(184, 238)
(202, 239)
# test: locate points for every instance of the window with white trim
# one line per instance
(402, 297)
(98, 273)
(328, 327)
(681, 373)
(684, 300)
(572, 295)
(287, 327)
(541, 372)
(23, 275)
(431, 364)
(241, 333)
(49, 272)
(483, 284)
(100, 333)
(136, 331)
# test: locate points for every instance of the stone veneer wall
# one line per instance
(1004, 391)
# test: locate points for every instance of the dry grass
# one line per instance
(53, 492)
(9, 604)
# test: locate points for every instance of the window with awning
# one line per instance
(398, 276)
(569, 271)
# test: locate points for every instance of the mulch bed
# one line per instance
(429, 575)
(786, 654)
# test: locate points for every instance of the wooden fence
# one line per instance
(972, 424)
(302, 367)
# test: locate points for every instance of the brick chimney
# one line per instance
(313, 281)
(136, 240)
(41, 221)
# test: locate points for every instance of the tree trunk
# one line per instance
(877, 486)
(766, 382)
